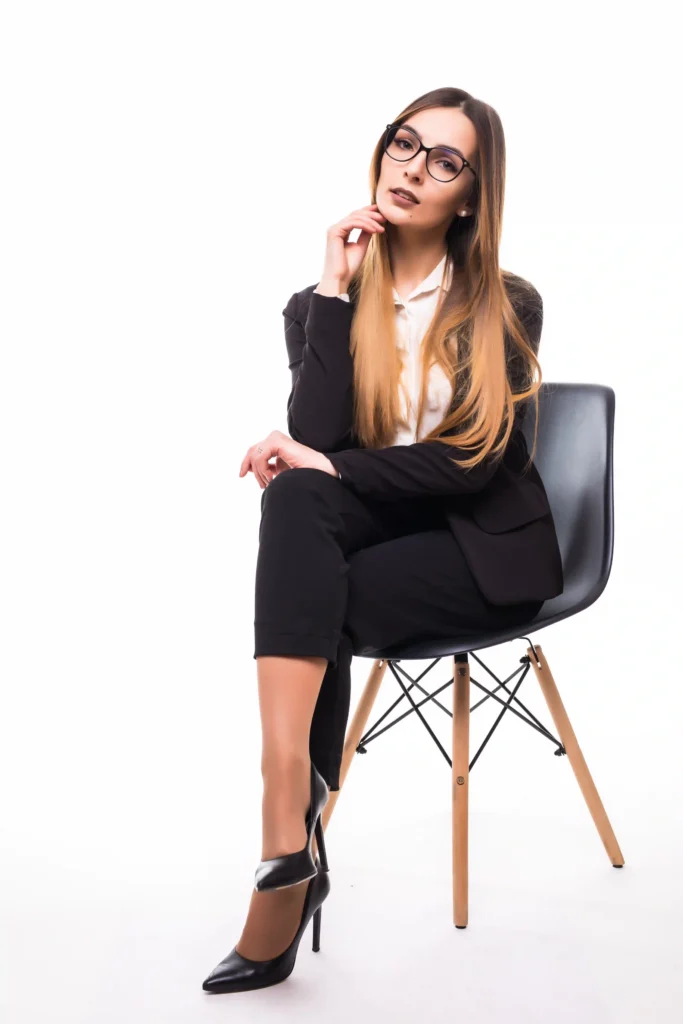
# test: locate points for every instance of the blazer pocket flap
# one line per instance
(510, 508)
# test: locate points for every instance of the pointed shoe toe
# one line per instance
(236, 973)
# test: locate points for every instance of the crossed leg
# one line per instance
(335, 576)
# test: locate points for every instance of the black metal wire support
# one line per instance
(507, 705)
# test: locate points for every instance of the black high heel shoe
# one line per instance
(236, 973)
(292, 868)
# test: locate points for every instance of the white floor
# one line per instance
(555, 932)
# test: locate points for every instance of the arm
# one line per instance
(409, 471)
(320, 404)
(426, 467)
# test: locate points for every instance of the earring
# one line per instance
(463, 213)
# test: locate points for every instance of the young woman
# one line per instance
(403, 504)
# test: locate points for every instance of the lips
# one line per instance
(407, 193)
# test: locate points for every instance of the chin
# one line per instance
(389, 210)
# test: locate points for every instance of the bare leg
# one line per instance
(288, 690)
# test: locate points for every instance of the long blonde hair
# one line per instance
(475, 330)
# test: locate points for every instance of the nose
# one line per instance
(417, 165)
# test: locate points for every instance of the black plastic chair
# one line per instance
(574, 457)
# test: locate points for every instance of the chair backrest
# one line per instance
(574, 455)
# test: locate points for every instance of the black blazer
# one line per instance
(500, 516)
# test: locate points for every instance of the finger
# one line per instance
(362, 240)
(372, 223)
(259, 464)
(369, 229)
(360, 246)
(280, 465)
(365, 217)
(365, 223)
(249, 461)
(258, 473)
(355, 220)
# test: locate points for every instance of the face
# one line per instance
(438, 201)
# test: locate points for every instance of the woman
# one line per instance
(415, 510)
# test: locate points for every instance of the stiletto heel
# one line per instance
(236, 973)
(292, 868)
(317, 917)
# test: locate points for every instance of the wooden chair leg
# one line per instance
(576, 758)
(460, 790)
(355, 731)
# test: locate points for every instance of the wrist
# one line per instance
(331, 286)
(329, 468)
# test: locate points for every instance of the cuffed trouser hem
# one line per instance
(298, 644)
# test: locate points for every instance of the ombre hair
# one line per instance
(476, 335)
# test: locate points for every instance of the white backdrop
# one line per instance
(167, 178)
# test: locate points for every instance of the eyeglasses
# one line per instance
(443, 164)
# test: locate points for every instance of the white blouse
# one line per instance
(413, 315)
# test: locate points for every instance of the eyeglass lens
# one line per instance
(402, 144)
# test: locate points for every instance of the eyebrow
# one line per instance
(440, 145)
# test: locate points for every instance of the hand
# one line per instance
(288, 454)
(342, 259)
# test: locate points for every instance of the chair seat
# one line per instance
(554, 610)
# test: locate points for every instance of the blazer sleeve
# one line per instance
(410, 471)
(426, 467)
(320, 404)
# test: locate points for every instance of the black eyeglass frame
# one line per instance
(428, 150)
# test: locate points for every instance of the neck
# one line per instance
(413, 255)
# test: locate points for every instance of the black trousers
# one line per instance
(337, 575)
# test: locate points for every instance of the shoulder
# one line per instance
(528, 306)
(298, 303)
(524, 296)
